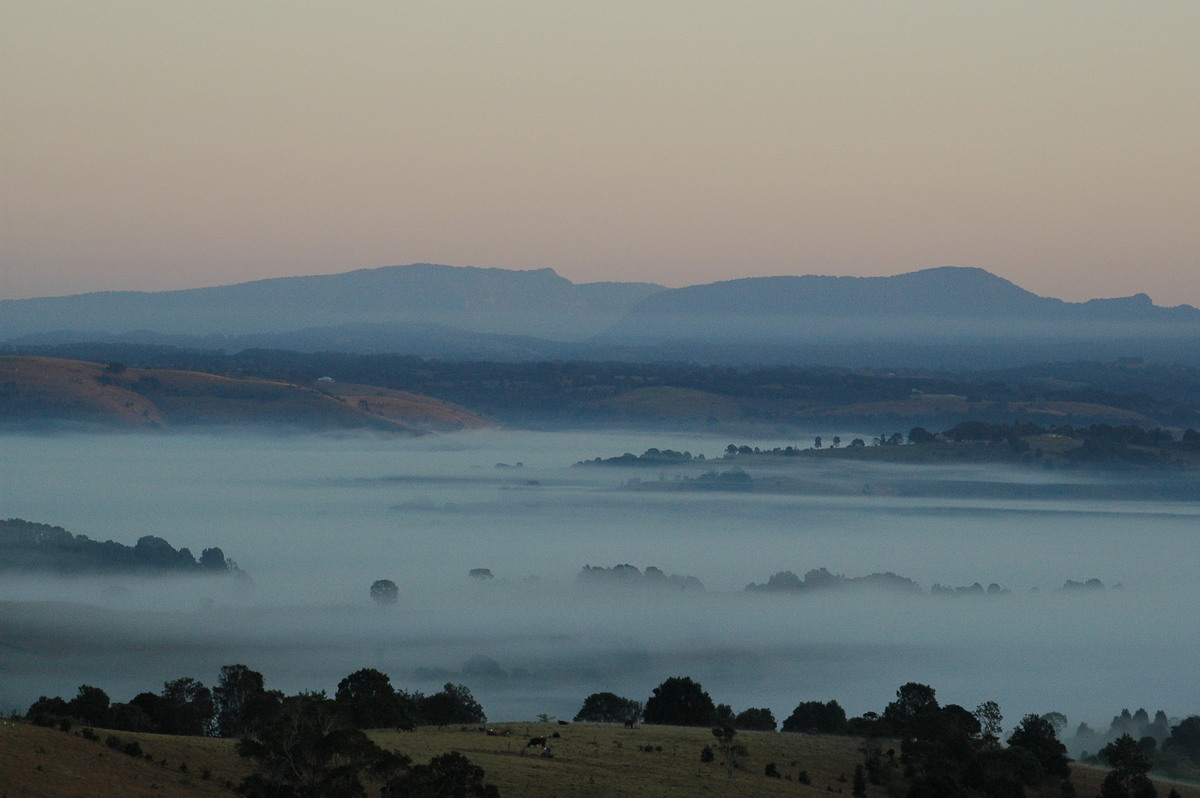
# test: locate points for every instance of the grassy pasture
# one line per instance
(590, 761)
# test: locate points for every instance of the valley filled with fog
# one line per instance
(315, 520)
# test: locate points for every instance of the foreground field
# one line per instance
(588, 760)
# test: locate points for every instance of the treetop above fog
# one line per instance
(30, 546)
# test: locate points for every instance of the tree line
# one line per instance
(239, 704)
(311, 744)
(30, 546)
(946, 751)
(305, 744)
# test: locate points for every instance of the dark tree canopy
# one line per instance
(243, 704)
(815, 717)
(755, 719)
(1185, 739)
(384, 592)
(450, 775)
(90, 705)
(1130, 763)
(454, 704)
(186, 708)
(31, 546)
(1036, 735)
(608, 708)
(679, 701)
(913, 705)
(369, 699)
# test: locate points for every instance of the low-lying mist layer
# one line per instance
(316, 520)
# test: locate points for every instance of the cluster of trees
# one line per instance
(626, 575)
(678, 701)
(1170, 746)
(311, 744)
(951, 751)
(651, 457)
(819, 579)
(239, 704)
(30, 546)
(305, 744)
(822, 579)
(1099, 442)
(944, 750)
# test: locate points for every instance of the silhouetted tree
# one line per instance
(920, 435)
(815, 717)
(369, 699)
(989, 717)
(243, 704)
(45, 710)
(727, 744)
(1185, 739)
(90, 705)
(1036, 735)
(755, 719)
(608, 708)
(914, 703)
(1130, 763)
(186, 708)
(679, 701)
(384, 592)
(454, 704)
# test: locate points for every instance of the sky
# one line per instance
(160, 145)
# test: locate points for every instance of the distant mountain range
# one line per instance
(944, 316)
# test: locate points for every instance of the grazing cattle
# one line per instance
(629, 722)
(535, 742)
(564, 723)
(406, 727)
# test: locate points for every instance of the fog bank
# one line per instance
(315, 520)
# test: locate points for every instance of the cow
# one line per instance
(629, 722)
(564, 723)
(536, 742)
(406, 727)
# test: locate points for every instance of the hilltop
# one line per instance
(938, 317)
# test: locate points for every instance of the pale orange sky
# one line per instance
(156, 145)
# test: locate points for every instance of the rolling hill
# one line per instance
(40, 392)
